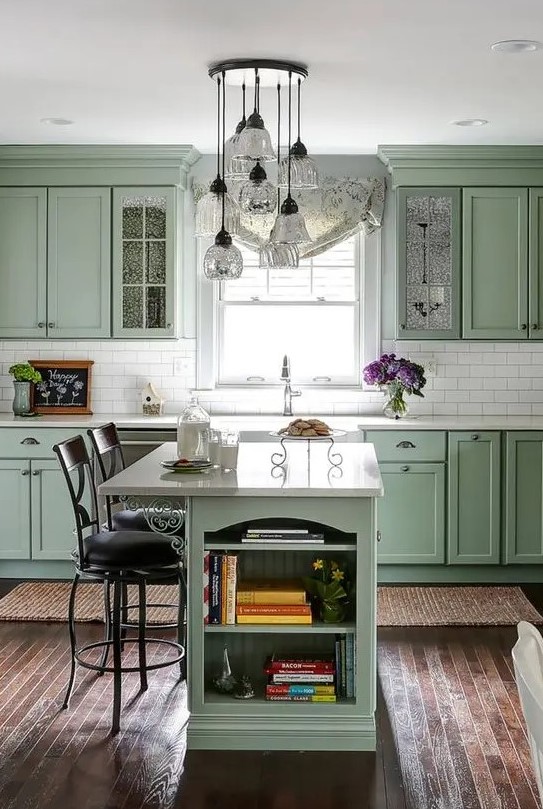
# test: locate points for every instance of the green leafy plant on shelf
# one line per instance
(331, 588)
(24, 372)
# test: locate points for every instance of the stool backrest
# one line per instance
(528, 663)
(75, 463)
(108, 455)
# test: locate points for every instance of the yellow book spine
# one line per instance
(323, 698)
(231, 575)
(274, 619)
(224, 579)
(271, 597)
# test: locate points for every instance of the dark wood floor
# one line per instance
(449, 726)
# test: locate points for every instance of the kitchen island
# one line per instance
(306, 491)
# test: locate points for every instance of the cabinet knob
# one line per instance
(169, 325)
(523, 326)
(24, 472)
(41, 324)
(378, 536)
(36, 472)
(405, 469)
(534, 327)
(474, 437)
(402, 326)
(51, 325)
(30, 440)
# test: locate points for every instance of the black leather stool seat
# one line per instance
(129, 549)
(127, 520)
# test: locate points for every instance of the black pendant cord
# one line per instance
(278, 144)
(218, 125)
(289, 126)
(223, 142)
(299, 90)
(243, 101)
(256, 90)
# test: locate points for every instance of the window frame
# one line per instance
(368, 321)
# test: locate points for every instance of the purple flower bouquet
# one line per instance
(395, 376)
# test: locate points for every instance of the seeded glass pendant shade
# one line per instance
(254, 142)
(223, 261)
(278, 257)
(289, 227)
(236, 168)
(303, 169)
(209, 211)
(258, 195)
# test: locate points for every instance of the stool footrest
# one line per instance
(129, 669)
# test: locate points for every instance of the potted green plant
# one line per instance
(23, 376)
(330, 588)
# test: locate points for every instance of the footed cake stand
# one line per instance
(335, 458)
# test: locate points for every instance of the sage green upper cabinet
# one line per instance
(23, 236)
(524, 498)
(495, 263)
(535, 325)
(144, 249)
(474, 498)
(79, 262)
(428, 263)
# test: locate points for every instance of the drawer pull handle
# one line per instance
(475, 437)
(405, 469)
(378, 536)
(25, 472)
(405, 445)
(30, 440)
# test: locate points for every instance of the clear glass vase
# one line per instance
(395, 406)
(21, 399)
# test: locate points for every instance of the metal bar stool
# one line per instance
(117, 558)
(109, 457)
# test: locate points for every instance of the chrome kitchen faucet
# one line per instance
(288, 392)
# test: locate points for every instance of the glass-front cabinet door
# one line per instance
(144, 245)
(428, 228)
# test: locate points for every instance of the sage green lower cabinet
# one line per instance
(524, 498)
(15, 509)
(411, 515)
(474, 498)
(52, 515)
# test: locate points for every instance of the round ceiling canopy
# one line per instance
(271, 72)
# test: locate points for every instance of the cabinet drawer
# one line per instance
(408, 445)
(29, 442)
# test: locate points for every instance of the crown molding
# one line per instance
(103, 164)
(463, 165)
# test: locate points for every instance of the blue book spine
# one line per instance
(338, 665)
(343, 667)
(215, 560)
(349, 664)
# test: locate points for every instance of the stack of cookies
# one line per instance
(307, 428)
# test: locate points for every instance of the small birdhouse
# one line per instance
(151, 401)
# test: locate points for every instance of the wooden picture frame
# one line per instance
(65, 387)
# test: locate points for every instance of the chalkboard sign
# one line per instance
(65, 386)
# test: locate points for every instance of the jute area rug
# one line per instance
(396, 606)
(48, 601)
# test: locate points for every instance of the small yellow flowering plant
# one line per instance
(330, 587)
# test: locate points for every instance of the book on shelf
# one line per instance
(230, 595)
(301, 698)
(224, 571)
(301, 689)
(221, 588)
(271, 591)
(349, 665)
(274, 619)
(255, 530)
(281, 662)
(345, 646)
(206, 587)
(302, 677)
(215, 564)
(283, 538)
(273, 609)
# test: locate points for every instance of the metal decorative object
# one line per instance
(164, 516)
(225, 682)
(244, 689)
(279, 458)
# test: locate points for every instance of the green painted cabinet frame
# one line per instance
(79, 262)
(474, 497)
(524, 498)
(121, 258)
(52, 522)
(411, 515)
(535, 249)
(23, 256)
(495, 263)
(404, 332)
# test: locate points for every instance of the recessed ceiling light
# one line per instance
(517, 45)
(56, 121)
(470, 122)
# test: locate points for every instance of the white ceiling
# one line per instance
(129, 71)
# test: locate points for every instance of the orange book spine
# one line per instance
(273, 609)
(231, 575)
(271, 597)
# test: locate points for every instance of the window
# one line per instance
(322, 315)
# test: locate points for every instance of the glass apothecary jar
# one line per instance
(193, 432)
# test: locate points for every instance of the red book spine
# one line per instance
(273, 609)
(279, 667)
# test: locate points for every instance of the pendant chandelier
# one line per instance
(246, 159)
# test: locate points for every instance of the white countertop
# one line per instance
(264, 423)
(303, 475)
